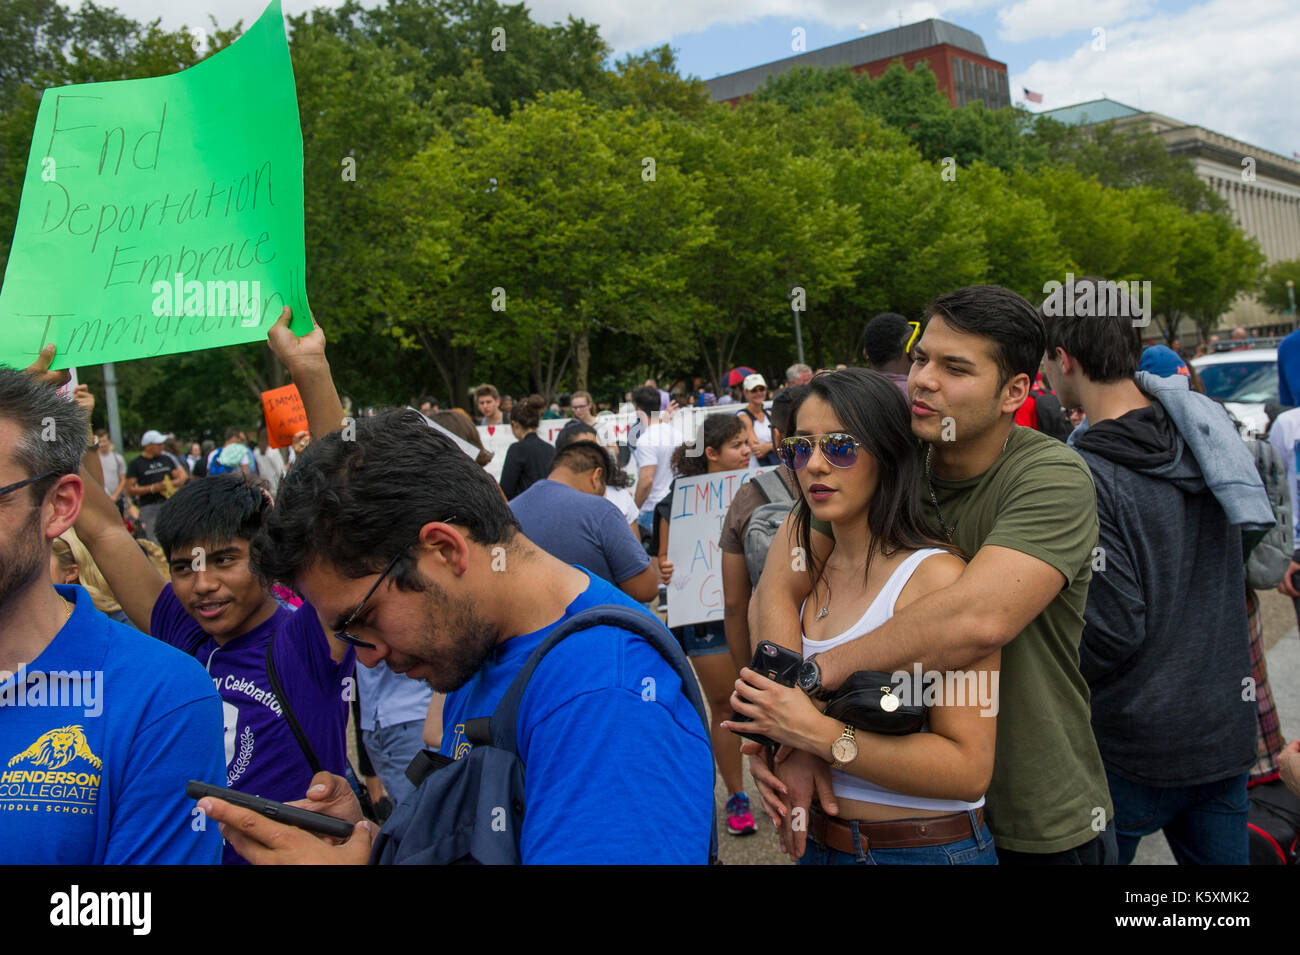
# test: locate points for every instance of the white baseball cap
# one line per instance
(152, 437)
(754, 381)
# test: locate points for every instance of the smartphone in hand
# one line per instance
(289, 815)
(776, 663)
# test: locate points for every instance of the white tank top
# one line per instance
(846, 785)
(763, 432)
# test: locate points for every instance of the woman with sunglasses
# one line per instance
(758, 426)
(725, 448)
(906, 799)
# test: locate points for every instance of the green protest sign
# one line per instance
(161, 215)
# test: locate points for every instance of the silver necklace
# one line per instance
(949, 529)
(826, 609)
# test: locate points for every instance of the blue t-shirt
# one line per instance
(1288, 370)
(262, 754)
(618, 766)
(97, 744)
(580, 529)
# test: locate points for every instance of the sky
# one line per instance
(1232, 66)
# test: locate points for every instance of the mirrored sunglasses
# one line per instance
(840, 450)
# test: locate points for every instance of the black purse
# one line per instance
(867, 701)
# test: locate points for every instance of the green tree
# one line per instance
(1273, 292)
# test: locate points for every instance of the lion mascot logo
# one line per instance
(59, 747)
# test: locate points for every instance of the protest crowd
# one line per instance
(951, 631)
(985, 593)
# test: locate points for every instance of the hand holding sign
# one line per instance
(295, 352)
(161, 215)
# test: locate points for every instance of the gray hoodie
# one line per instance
(1165, 647)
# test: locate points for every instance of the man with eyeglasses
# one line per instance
(419, 562)
(284, 682)
(100, 727)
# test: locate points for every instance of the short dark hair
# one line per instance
(784, 405)
(872, 409)
(646, 399)
(885, 338)
(571, 431)
(486, 389)
(999, 314)
(211, 512)
(581, 457)
(39, 411)
(357, 500)
(1105, 343)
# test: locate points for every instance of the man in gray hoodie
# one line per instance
(1165, 648)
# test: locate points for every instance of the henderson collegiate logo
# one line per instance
(53, 788)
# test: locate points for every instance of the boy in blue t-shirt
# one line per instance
(218, 610)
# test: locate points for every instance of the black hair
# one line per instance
(718, 428)
(1103, 341)
(884, 339)
(571, 432)
(783, 406)
(356, 499)
(581, 457)
(1001, 315)
(872, 409)
(527, 412)
(646, 399)
(211, 512)
(233, 432)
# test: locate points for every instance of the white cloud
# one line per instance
(1033, 19)
(1218, 65)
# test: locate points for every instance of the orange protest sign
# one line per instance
(285, 415)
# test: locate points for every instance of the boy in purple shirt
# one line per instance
(219, 610)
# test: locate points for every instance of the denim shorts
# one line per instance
(973, 850)
(703, 639)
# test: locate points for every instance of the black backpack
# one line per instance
(1274, 822)
(471, 810)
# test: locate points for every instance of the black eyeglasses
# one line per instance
(21, 484)
(343, 631)
(839, 449)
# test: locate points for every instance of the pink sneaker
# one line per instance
(740, 822)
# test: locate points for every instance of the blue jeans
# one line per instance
(1205, 825)
(391, 749)
(973, 850)
(702, 639)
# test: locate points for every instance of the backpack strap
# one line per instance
(504, 718)
(773, 488)
(287, 710)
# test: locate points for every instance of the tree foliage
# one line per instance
(621, 223)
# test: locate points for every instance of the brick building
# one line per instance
(957, 58)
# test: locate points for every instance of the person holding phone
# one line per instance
(725, 448)
(908, 799)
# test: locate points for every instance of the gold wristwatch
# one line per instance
(845, 749)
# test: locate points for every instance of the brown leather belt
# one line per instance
(899, 834)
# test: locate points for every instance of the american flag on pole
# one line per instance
(1032, 96)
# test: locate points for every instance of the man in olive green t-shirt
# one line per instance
(1022, 505)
